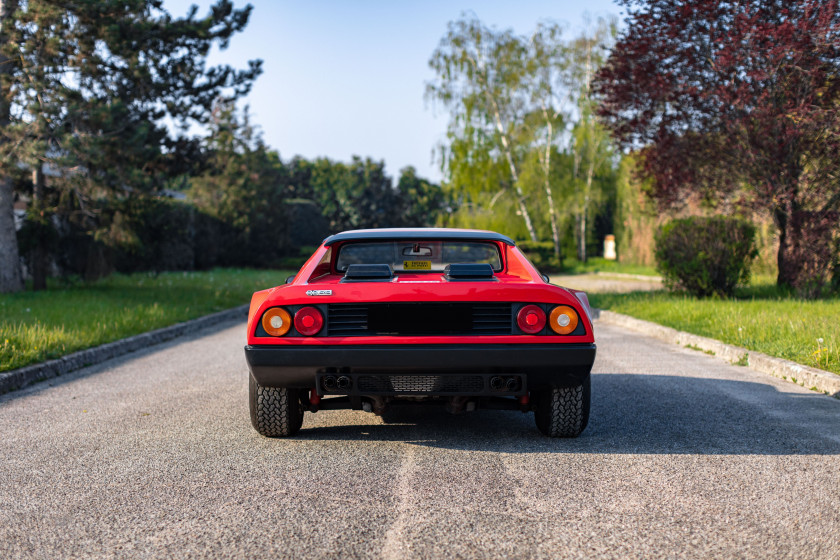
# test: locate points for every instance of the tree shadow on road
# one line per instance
(632, 414)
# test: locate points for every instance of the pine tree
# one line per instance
(104, 94)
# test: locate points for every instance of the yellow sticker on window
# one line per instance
(417, 265)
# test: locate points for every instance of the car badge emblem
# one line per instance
(319, 292)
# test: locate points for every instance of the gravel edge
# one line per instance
(630, 276)
(22, 377)
(806, 376)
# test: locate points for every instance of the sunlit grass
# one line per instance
(598, 264)
(38, 326)
(760, 318)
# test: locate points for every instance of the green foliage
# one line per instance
(162, 234)
(495, 212)
(421, 202)
(361, 195)
(354, 196)
(541, 255)
(104, 94)
(307, 227)
(38, 232)
(96, 83)
(705, 256)
(517, 159)
(635, 220)
(93, 93)
(482, 76)
(38, 326)
(602, 265)
(243, 187)
(736, 101)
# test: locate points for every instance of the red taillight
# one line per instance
(309, 321)
(531, 319)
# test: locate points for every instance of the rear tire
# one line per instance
(275, 411)
(563, 411)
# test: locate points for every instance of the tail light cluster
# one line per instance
(308, 321)
(562, 319)
(531, 319)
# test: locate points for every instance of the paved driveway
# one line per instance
(153, 455)
(616, 283)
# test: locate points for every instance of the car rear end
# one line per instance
(362, 335)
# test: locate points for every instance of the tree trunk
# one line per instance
(589, 174)
(520, 195)
(591, 149)
(788, 274)
(582, 237)
(10, 278)
(39, 253)
(555, 231)
(514, 175)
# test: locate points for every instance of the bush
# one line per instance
(541, 255)
(705, 256)
(307, 225)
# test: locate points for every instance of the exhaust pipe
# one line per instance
(343, 382)
(496, 383)
(329, 383)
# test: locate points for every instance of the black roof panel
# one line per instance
(402, 234)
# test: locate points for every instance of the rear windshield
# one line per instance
(418, 256)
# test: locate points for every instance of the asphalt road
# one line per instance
(153, 456)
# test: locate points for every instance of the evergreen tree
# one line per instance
(104, 93)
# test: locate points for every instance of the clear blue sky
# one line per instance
(344, 78)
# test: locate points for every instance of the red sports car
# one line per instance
(437, 316)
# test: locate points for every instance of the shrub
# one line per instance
(705, 256)
(541, 255)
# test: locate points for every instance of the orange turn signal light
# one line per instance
(563, 319)
(276, 321)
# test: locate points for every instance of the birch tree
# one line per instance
(548, 59)
(480, 77)
(591, 146)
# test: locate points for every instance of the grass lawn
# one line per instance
(598, 264)
(759, 318)
(38, 326)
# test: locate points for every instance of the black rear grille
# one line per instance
(491, 318)
(419, 319)
(347, 320)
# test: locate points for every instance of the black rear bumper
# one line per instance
(539, 364)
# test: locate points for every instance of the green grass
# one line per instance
(760, 318)
(599, 264)
(39, 326)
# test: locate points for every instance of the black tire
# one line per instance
(563, 411)
(275, 411)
